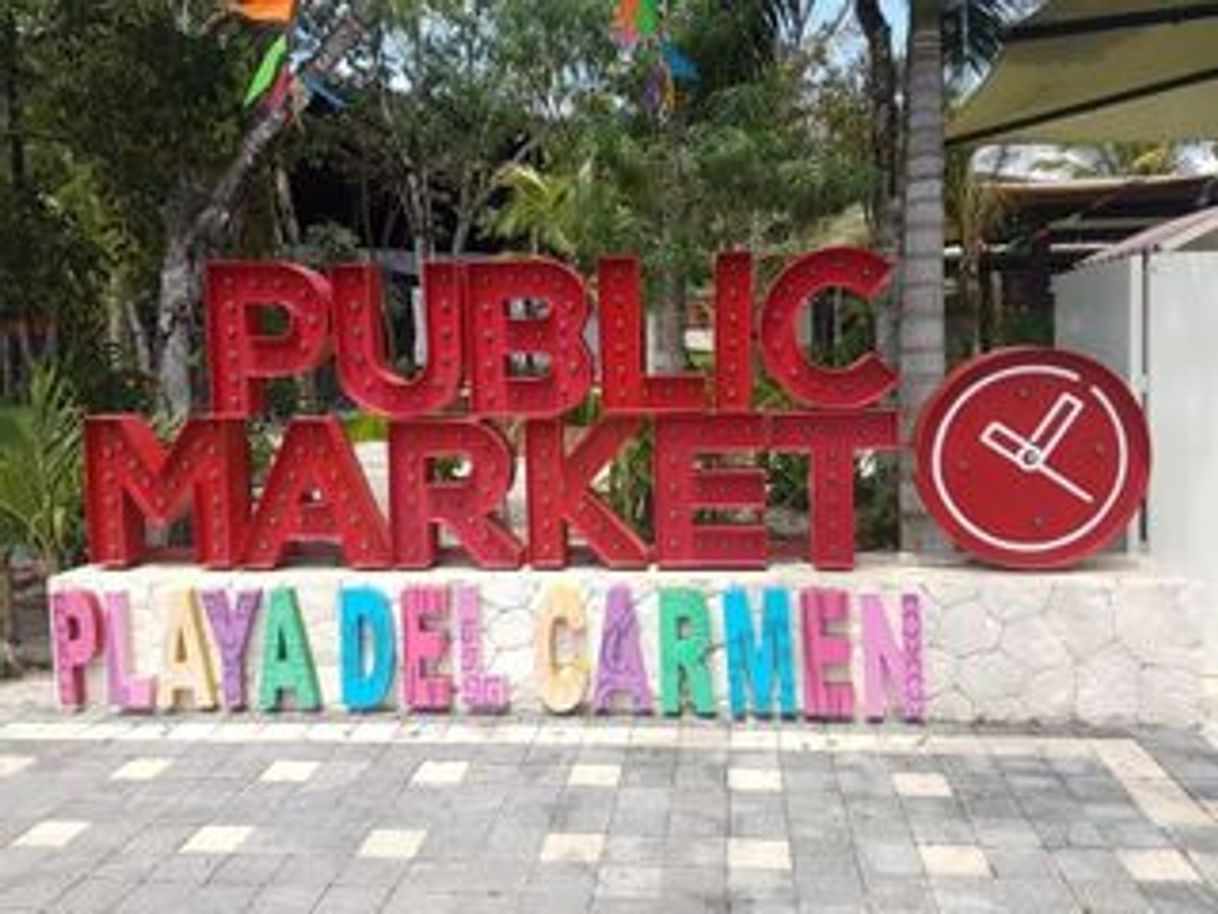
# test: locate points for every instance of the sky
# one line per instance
(894, 11)
(849, 40)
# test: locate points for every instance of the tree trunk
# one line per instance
(179, 291)
(922, 316)
(139, 338)
(6, 364)
(668, 341)
(985, 310)
(461, 233)
(9, 665)
(288, 229)
(114, 318)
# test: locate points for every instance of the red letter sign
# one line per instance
(420, 503)
(681, 487)
(358, 329)
(832, 439)
(857, 271)
(734, 332)
(241, 355)
(624, 387)
(559, 336)
(316, 492)
(560, 490)
(131, 478)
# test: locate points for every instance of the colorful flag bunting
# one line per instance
(681, 67)
(647, 19)
(265, 75)
(281, 90)
(625, 22)
(265, 10)
(638, 20)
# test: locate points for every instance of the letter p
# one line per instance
(76, 628)
(242, 354)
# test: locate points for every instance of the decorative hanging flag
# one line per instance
(640, 21)
(265, 10)
(655, 89)
(679, 66)
(625, 23)
(280, 91)
(647, 19)
(265, 75)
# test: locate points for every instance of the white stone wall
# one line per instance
(1112, 645)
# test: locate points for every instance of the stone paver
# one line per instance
(105, 813)
(217, 839)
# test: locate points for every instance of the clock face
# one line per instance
(1032, 458)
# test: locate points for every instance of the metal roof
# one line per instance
(1173, 235)
(1089, 71)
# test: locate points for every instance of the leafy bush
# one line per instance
(41, 485)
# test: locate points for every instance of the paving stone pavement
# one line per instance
(185, 813)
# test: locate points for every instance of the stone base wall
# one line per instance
(1115, 644)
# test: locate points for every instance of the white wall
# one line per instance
(1183, 409)
(1097, 313)
(1100, 312)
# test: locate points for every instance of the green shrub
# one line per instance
(41, 485)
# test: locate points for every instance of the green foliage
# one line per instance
(41, 502)
(630, 488)
(455, 92)
(750, 174)
(327, 243)
(155, 105)
(363, 428)
(972, 33)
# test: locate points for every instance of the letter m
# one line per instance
(132, 480)
(759, 666)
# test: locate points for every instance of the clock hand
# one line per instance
(1055, 424)
(1006, 443)
(1073, 488)
(1024, 454)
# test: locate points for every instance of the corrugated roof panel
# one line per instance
(1167, 236)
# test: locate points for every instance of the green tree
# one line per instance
(453, 93)
(151, 109)
(51, 262)
(741, 161)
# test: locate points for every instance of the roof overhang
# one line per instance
(1091, 71)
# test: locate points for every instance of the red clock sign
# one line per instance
(1033, 458)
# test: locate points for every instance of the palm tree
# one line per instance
(540, 207)
(922, 327)
(919, 337)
